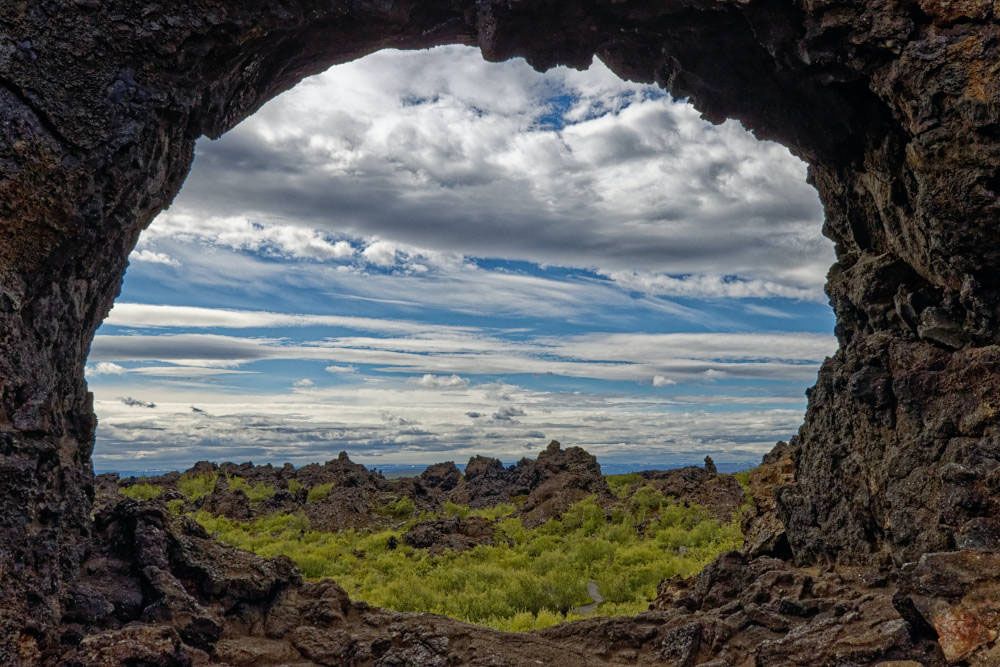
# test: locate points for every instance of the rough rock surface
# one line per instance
(156, 590)
(356, 497)
(721, 494)
(895, 105)
(763, 530)
(456, 534)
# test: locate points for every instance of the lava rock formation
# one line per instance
(895, 105)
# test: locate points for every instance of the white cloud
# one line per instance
(711, 286)
(408, 423)
(303, 383)
(341, 369)
(442, 381)
(603, 356)
(106, 368)
(380, 253)
(440, 150)
(153, 257)
(137, 315)
(241, 232)
(660, 381)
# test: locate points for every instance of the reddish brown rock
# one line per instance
(763, 529)
(958, 594)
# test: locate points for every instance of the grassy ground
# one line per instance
(529, 578)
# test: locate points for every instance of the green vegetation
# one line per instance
(401, 509)
(621, 484)
(499, 511)
(142, 491)
(256, 492)
(294, 486)
(196, 486)
(743, 477)
(529, 578)
(319, 492)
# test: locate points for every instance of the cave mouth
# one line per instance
(422, 256)
(894, 106)
(447, 314)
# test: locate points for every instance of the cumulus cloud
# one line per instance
(303, 383)
(380, 253)
(660, 381)
(242, 232)
(626, 181)
(442, 381)
(106, 368)
(146, 255)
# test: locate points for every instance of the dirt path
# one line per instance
(595, 594)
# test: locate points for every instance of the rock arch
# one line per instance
(895, 104)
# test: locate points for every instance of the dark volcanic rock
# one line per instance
(763, 529)
(158, 591)
(557, 479)
(485, 483)
(895, 106)
(549, 484)
(457, 534)
(720, 494)
(440, 477)
(227, 502)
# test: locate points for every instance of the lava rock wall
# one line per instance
(895, 105)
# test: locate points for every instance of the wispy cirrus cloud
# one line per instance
(450, 351)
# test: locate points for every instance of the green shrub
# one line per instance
(141, 491)
(256, 492)
(294, 486)
(403, 508)
(455, 510)
(196, 486)
(621, 485)
(319, 492)
(529, 578)
(175, 506)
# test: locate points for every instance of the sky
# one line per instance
(421, 256)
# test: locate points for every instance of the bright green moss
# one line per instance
(141, 491)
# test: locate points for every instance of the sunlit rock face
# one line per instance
(894, 105)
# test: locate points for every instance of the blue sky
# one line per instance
(421, 256)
